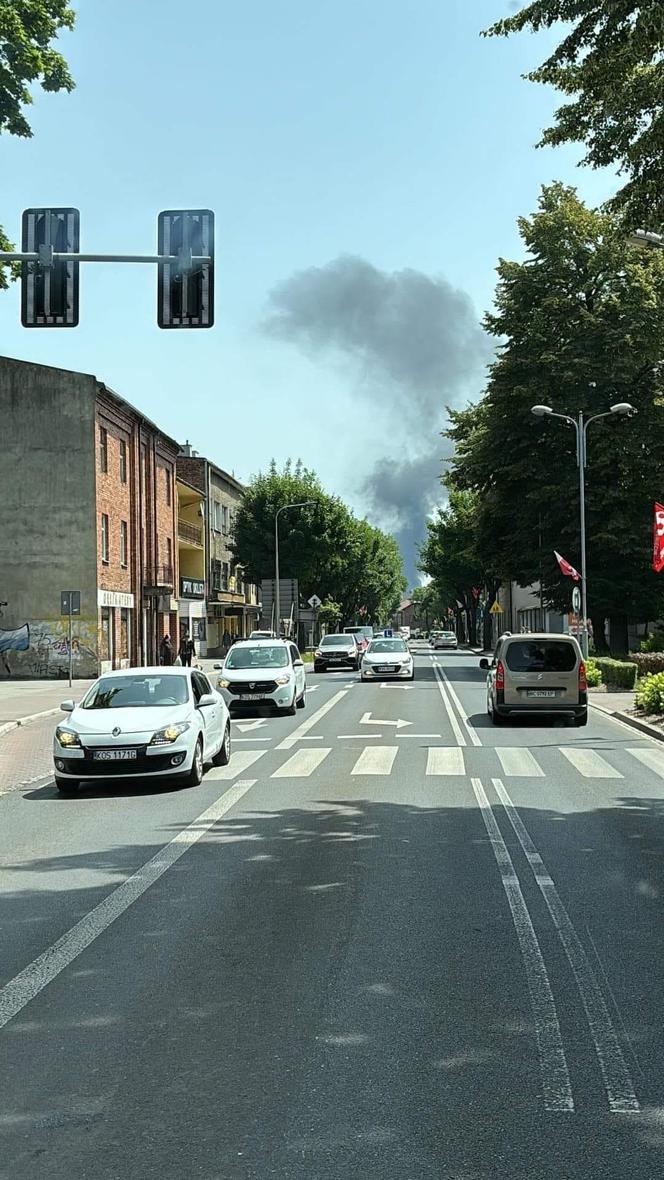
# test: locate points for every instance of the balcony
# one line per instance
(158, 579)
(190, 534)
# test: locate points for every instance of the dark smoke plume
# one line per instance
(416, 345)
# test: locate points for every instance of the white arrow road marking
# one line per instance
(366, 719)
(403, 687)
(23, 988)
(246, 725)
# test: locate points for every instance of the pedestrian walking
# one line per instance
(166, 652)
(187, 650)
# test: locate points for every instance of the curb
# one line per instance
(652, 731)
(10, 725)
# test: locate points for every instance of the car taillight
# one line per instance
(583, 682)
(500, 675)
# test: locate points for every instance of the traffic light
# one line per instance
(185, 292)
(49, 293)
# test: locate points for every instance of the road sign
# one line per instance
(576, 600)
(314, 602)
(496, 609)
(70, 602)
(49, 290)
(185, 295)
(388, 633)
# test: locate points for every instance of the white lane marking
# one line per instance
(445, 760)
(252, 739)
(245, 726)
(238, 764)
(650, 758)
(418, 735)
(298, 733)
(462, 712)
(375, 760)
(301, 764)
(617, 1081)
(556, 1084)
(589, 763)
(366, 719)
(456, 729)
(518, 762)
(23, 988)
(403, 687)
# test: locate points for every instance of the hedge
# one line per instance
(593, 674)
(617, 673)
(650, 693)
(647, 661)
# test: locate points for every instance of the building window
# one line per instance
(216, 516)
(103, 448)
(167, 473)
(106, 636)
(105, 548)
(124, 652)
(124, 548)
(225, 574)
(169, 555)
(224, 520)
(216, 574)
(123, 461)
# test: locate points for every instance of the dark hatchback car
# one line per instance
(337, 651)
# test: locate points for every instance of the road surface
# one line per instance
(388, 942)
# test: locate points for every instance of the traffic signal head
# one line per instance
(49, 293)
(185, 288)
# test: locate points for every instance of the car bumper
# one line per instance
(281, 698)
(575, 710)
(404, 673)
(159, 762)
(336, 665)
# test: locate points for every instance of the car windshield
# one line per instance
(449, 635)
(137, 692)
(380, 645)
(337, 640)
(263, 655)
(540, 656)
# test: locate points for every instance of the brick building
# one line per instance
(232, 605)
(89, 503)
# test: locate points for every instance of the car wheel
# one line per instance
(318, 668)
(412, 675)
(289, 711)
(581, 719)
(195, 776)
(301, 702)
(497, 718)
(67, 786)
(223, 755)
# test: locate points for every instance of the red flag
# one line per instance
(566, 568)
(658, 539)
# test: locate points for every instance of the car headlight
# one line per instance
(67, 737)
(318, 652)
(170, 733)
(223, 683)
(282, 680)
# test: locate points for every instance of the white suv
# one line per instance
(263, 671)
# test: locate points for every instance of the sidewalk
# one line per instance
(28, 700)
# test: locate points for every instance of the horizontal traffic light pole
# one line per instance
(49, 257)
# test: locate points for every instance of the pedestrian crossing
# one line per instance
(447, 761)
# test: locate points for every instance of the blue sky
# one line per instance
(388, 131)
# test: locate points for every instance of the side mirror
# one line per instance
(484, 664)
(217, 667)
(298, 663)
(67, 706)
(206, 700)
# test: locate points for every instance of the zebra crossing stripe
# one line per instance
(445, 760)
(301, 764)
(518, 762)
(238, 764)
(650, 758)
(589, 763)
(375, 760)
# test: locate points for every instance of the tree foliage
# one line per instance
(452, 558)
(610, 62)
(28, 29)
(581, 327)
(324, 546)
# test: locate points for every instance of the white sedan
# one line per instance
(387, 659)
(142, 722)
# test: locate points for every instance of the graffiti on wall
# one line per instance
(41, 649)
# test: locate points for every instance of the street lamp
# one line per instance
(277, 599)
(620, 409)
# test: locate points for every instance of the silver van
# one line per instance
(538, 673)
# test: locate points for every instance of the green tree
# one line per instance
(28, 29)
(581, 326)
(324, 546)
(329, 615)
(451, 557)
(611, 62)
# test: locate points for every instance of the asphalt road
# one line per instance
(364, 950)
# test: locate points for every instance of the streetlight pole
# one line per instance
(581, 428)
(277, 596)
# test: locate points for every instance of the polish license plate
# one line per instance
(385, 668)
(253, 696)
(541, 692)
(114, 755)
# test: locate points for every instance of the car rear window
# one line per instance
(537, 655)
